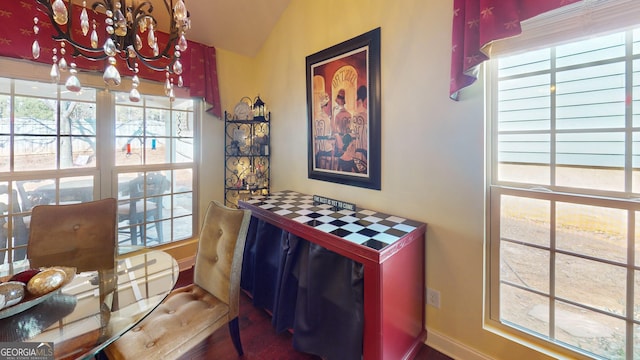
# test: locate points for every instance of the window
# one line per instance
(565, 179)
(59, 147)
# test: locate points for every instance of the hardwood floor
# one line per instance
(259, 339)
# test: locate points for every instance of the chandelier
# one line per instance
(114, 33)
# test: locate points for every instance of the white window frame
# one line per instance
(106, 172)
(567, 24)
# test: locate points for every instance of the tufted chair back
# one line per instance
(220, 251)
(77, 235)
(192, 313)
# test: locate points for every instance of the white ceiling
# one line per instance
(240, 26)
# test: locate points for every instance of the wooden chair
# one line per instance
(192, 313)
(79, 235)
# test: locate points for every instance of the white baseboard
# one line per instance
(452, 348)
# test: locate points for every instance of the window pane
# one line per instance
(592, 97)
(524, 103)
(79, 118)
(5, 152)
(5, 113)
(76, 189)
(157, 122)
(591, 331)
(594, 160)
(525, 220)
(129, 135)
(636, 93)
(525, 266)
(595, 284)
(525, 63)
(524, 158)
(591, 230)
(590, 50)
(183, 180)
(35, 116)
(182, 228)
(82, 156)
(35, 152)
(524, 309)
(184, 150)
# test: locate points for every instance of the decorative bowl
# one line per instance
(11, 293)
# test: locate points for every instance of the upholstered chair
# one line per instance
(79, 235)
(192, 313)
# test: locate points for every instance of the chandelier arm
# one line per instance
(105, 4)
(139, 13)
(147, 62)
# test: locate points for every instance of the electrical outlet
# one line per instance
(433, 298)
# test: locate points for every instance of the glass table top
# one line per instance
(96, 307)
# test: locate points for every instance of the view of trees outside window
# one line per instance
(565, 229)
(154, 134)
(50, 151)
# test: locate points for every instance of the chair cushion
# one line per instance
(188, 316)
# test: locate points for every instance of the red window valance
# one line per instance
(476, 23)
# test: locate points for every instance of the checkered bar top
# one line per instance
(370, 228)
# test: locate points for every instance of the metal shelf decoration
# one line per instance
(247, 148)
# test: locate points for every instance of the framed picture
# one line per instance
(343, 107)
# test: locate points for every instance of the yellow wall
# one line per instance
(432, 147)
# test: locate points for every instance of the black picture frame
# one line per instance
(343, 111)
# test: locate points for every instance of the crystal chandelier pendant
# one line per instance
(35, 47)
(110, 47)
(55, 72)
(177, 67)
(182, 43)
(134, 94)
(142, 25)
(60, 13)
(62, 64)
(84, 19)
(138, 42)
(73, 84)
(180, 81)
(172, 94)
(111, 74)
(167, 85)
(94, 36)
(156, 50)
(151, 37)
(179, 11)
(120, 22)
(109, 22)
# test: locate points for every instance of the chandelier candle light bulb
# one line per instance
(125, 22)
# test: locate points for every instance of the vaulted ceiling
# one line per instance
(241, 26)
